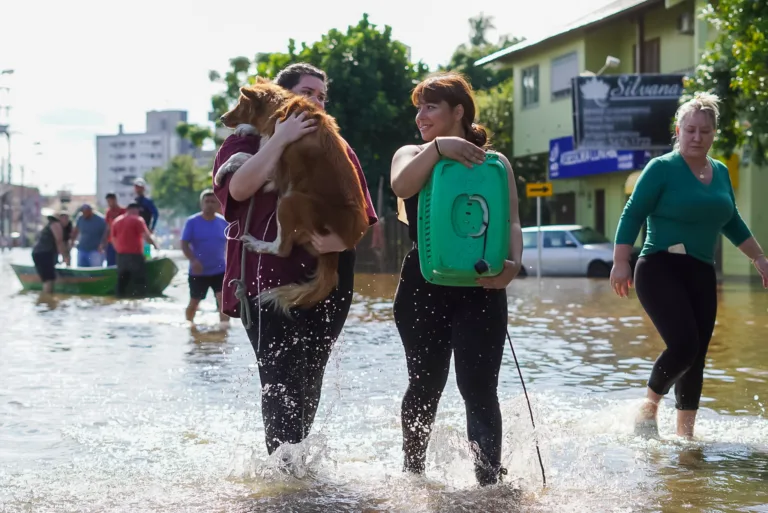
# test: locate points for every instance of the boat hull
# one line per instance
(97, 281)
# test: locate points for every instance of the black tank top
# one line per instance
(412, 214)
(46, 242)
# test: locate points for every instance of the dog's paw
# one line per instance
(233, 163)
(245, 129)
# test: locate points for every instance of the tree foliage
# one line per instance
(370, 82)
(177, 187)
(195, 134)
(465, 55)
(735, 67)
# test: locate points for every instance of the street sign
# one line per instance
(538, 190)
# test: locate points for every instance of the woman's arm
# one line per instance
(639, 206)
(412, 167)
(58, 236)
(255, 172)
(515, 228)
(751, 248)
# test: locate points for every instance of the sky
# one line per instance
(85, 66)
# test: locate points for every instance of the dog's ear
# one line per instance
(249, 93)
(258, 79)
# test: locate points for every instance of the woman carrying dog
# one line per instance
(436, 321)
(291, 350)
(688, 200)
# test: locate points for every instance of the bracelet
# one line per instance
(757, 257)
(437, 147)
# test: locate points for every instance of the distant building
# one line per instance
(123, 157)
(65, 201)
(23, 214)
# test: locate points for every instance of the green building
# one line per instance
(624, 37)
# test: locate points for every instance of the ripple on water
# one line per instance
(121, 406)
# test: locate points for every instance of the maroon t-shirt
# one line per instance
(274, 271)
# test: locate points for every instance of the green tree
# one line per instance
(735, 67)
(178, 186)
(370, 82)
(195, 134)
(465, 55)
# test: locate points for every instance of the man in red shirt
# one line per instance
(113, 212)
(129, 231)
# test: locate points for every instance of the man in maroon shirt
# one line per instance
(291, 352)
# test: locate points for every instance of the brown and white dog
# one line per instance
(317, 185)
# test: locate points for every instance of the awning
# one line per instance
(629, 184)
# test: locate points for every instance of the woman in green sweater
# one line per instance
(688, 200)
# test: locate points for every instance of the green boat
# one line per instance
(97, 281)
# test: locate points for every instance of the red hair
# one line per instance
(451, 87)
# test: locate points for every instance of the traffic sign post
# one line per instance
(538, 191)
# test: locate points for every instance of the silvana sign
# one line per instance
(625, 112)
(567, 162)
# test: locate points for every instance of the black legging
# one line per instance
(679, 294)
(433, 322)
(292, 357)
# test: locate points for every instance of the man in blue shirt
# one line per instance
(89, 228)
(204, 242)
(147, 209)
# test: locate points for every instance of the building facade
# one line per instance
(124, 157)
(650, 38)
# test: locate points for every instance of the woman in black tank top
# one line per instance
(437, 321)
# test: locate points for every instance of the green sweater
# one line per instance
(682, 210)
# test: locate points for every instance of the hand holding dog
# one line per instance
(330, 243)
(293, 128)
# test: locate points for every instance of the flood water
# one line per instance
(120, 406)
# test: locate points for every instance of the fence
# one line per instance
(383, 247)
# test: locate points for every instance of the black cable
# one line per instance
(530, 410)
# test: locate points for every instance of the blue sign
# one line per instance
(566, 162)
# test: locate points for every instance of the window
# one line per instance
(564, 68)
(529, 239)
(554, 240)
(589, 236)
(651, 56)
(531, 86)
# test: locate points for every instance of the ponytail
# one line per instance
(478, 135)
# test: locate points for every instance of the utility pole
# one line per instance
(5, 192)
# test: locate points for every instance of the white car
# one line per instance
(568, 250)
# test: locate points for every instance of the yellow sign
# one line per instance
(537, 190)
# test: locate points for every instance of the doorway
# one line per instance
(600, 211)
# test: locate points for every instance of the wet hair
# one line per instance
(454, 89)
(206, 193)
(291, 75)
(707, 103)
(111, 195)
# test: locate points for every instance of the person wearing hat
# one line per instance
(147, 209)
(89, 228)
